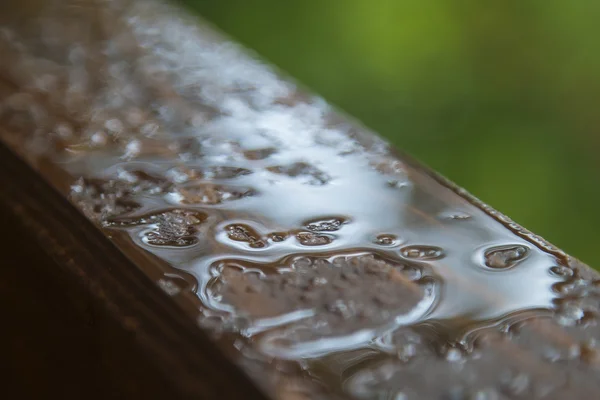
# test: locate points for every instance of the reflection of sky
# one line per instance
(416, 211)
(253, 109)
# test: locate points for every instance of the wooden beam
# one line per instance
(242, 228)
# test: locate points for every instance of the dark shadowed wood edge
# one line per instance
(172, 357)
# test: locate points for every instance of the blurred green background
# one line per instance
(501, 97)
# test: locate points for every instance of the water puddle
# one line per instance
(334, 267)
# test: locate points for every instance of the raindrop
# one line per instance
(325, 225)
(259, 154)
(514, 384)
(278, 236)
(422, 252)
(243, 233)
(561, 271)
(169, 287)
(386, 239)
(503, 257)
(312, 239)
(306, 172)
(210, 194)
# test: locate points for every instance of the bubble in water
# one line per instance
(306, 172)
(503, 257)
(326, 224)
(243, 233)
(422, 252)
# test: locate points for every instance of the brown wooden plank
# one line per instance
(317, 259)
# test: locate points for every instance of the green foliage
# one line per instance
(502, 97)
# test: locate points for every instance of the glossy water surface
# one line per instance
(324, 263)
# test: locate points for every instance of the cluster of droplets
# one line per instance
(170, 101)
(579, 297)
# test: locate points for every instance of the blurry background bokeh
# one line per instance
(501, 97)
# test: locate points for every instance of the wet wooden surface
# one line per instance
(232, 225)
(81, 320)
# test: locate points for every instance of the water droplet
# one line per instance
(422, 252)
(456, 216)
(210, 194)
(243, 233)
(407, 352)
(485, 394)
(99, 138)
(114, 125)
(278, 236)
(149, 129)
(569, 315)
(326, 224)
(386, 239)
(514, 384)
(452, 354)
(390, 166)
(259, 154)
(168, 287)
(306, 172)
(503, 257)
(312, 239)
(224, 172)
(64, 131)
(561, 271)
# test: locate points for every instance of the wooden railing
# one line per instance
(252, 239)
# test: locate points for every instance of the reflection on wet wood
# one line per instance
(317, 259)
